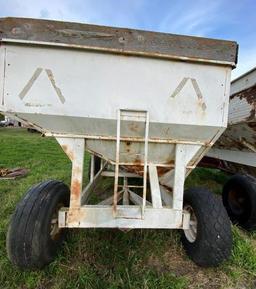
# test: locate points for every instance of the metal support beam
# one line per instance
(129, 217)
(240, 157)
(74, 148)
(166, 196)
(154, 186)
(126, 192)
(136, 199)
(109, 200)
(91, 185)
(183, 155)
(92, 168)
(179, 177)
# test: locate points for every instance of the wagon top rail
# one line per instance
(117, 40)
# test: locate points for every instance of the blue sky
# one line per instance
(224, 19)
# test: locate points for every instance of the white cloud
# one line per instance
(56, 9)
(113, 12)
(197, 19)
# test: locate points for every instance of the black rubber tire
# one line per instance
(213, 241)
(239, 199)
(97, 163)
(29, 243)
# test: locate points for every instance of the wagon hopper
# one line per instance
(151, 103)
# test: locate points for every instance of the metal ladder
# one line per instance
(131, 115)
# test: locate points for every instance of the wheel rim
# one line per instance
(191, 233)
(237, 201)
(55, 230)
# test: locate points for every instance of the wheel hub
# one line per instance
(55, 230)
(191, 233)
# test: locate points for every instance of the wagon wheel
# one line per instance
(34, 235)
(239, 198)
(208, 241)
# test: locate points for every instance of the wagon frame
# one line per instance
(157, 134)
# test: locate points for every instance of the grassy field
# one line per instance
(110, 258)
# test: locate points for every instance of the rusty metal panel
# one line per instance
(242, 106)
(118, 40)
(240, 136)
(241, 131)
(243, 82)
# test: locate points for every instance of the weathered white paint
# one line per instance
(102, 217)
(72, 92)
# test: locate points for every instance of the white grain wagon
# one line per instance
(149, 104)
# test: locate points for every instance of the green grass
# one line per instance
(110, 258)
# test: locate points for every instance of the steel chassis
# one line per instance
(165, 210)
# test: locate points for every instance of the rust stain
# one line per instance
(128, 144)
(75, 190)
(68, 151)
(163, 170)
(137, 168)
(230, 143)
(248, 94)
(134, 127)
(75, 215)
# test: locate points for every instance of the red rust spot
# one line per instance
(75, 215)
(248, 94)
(75, 190)
(163, 170)
(137, 168)
(68, 152)
(128, 144)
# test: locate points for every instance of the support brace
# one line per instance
(74, 148)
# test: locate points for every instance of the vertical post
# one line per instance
(117, 161)
(145, 164)
(179, 176)
(74, 149)
(126, 192)
(77, 173)
(92, 168)
(154, 186)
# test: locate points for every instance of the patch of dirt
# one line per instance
(181, 266)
